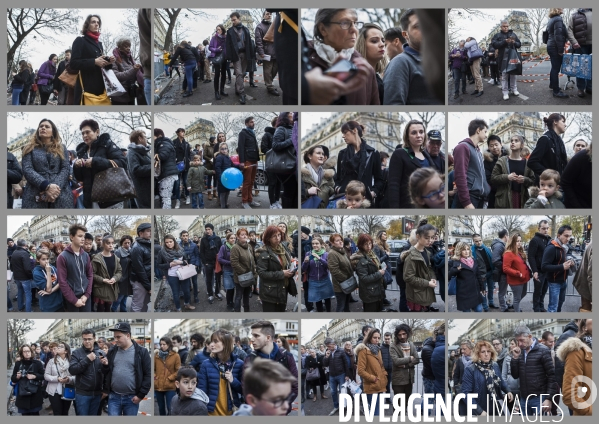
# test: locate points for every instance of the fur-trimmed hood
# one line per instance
(329, 173)
(534, 192)
(360, 348)
(342, 204)
(572, 344)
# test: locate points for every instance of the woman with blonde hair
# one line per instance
(371, 45)
(470, 287)
(515, 268)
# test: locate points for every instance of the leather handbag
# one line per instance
(349, 285)
(218, 59)
(313, 374)
(186, 271)
(68, 79)
(112, 185)
(281, 162)
(46, 89)
(89, 99)
(157, 166)
(234, 407)
(246, 279)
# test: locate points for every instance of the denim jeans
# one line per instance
(342, 302)
(164, 401)
(376, 406)
(120, 305)
(428, 386)
(479, 308)
(557, 296)
(16, 92)
(197, 201)
(582, 83)
(24, 294)
(335, 384)
(194, 286)
(166, 69)
(538, 296)
(148, 90)
(157, 272)
(189, 76)
(532, 406)
(177, 286)
(87, 405)
(556, 65)
(122, 405)
(177, 188)
(457, 77)
(242, 293)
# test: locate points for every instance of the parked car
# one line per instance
(397, 247)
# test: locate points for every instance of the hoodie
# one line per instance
(191, 406)
(75, 274)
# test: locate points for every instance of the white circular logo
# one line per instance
(579, 387)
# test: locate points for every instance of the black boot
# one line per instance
(222, 89)
(217, 95)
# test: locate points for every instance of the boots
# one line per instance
(222, 89)
(215, 194)
(209, 194)
(217, 95)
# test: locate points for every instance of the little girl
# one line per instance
(44, 278)
(355, 196)
(427, 188)
(222, 162)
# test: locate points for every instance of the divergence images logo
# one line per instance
(580, 387)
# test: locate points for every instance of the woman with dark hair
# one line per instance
(190, 58)
(284, 139)
(170, 258)
(283, 344)
(550, 150)
(516, 269)
(139, 165)
(46, 169)
(57, 375)
(275, 271)
(404, 161)
(418, 272)
(317, 177)
(358, 161)
(557, 33)
(95, 155)
(107, 274)
(470, 286)
(371, 45)
(18, 82)
(371, 367)
(127, 72)
(316, 268)
(217, 49)
(166, 364)
(28, 371)
(45, 77)
(164, 149)
(242, 262)
(220, 375)
(125, 288)
(88, 58)
(224, 259)
(370, 274)
(341, 270)
(335, 35)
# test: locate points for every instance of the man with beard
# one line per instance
(536, 248)
(240, 52)
(209, 247)
(264, 48)
(141, 268)
(249, 155)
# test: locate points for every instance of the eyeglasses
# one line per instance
(347, 24)
(435, 195)
(280, 402)
(496, 344)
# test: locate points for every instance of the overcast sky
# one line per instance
(460, 327)
(39, 327)
(161, 327)
(310, 327)
(14, 222)
(478, 26)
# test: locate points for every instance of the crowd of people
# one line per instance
(98, 376)
(241, 263)
(225, 375)
(476, 269)
(237, 48)
(78, 76)
(89, 274)
(349, 62)
(529, 376)
(360, 177)
(52, 177)
(336, 267)
(545, 178)
(377, 363)
(185, 173)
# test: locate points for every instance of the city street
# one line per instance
(234, 201)
(533, 87)
(169, 92)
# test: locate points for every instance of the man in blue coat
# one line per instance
(193, 253)
(438, 360)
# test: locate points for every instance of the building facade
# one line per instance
(22, 233)
(16, 144)
(528, 124)
(199, 132)
(520, 24)
(342, 330)
(45, 227)
(487, 329)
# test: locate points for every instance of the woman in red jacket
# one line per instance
(516, 269)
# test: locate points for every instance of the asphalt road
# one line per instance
(234, 201)
(531, 93)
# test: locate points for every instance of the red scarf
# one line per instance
(94, 35)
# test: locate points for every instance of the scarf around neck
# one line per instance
(317, 174)
(373, 348)
(372, 256)
(466, 360)
(329, 54)
(468, 261)
(229, 245)
(319, 252)
(172, 254)
(93, 35)
(162, 354)
(588, 340)
(282, 254)
(492, 381)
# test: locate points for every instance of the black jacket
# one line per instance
(425, 355)
(186, 54)
(552, 264)
(338, 365)
(89, 376)
(58, 84)
(469, 284)
(141, 262)
(558, 34)
(500, 43)
(266, 142)
(458, 372)
(577, 181)
(372, 170)
(536, 247)
(549, 153)
(140, 170)
(286, 49)
(103, 150)
(247, 146)
(232, 51)
(142, 370)
(34, 367)
(401, 165)
(125, 281)
(165, 150)
(570, 330)
(208, 254)
(21, 265)
(182, 151)
(537, 375)
(15, 175)
(387, 361)
(84, 53)
(183, 354)
(21, 78)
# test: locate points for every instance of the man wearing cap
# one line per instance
(433, 147)
(141, 268)
(126, 389)
(209, 247)
(338, 364)
(22, 269)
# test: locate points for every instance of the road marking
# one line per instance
(522, 96)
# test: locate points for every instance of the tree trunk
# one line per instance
(168, 39)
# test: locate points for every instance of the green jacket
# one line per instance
(553, 202)
(273, 284)
(340, 267)
(195, 178)
(417, 275)
(242, 261)
(371, 283)
(403, 368)
(101, 290)
(327, 185)
(503, 196)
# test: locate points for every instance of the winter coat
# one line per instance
(438, 364)
(163, 147)
(41, 169)
(402, 164)
(342, 204)
(142, 368)
(387, 362)
(53, 371)
(426, 354)
(46, 73)
(242, 261)
(85, 51)
(141, 262)
(221, 164)
(340, 267)
(553, 202)
(15, 175)
(208, 251)
(264, 47)
(583, 279)
(315, 270)
(195, 178)
(125, 282)
(558, 34)
(577, 181)
(472, 50)
(327, 184)
(165, 371)
(579, 28)
(549, 153)
(125, 71)
(21, 78)
(370, 281)
(224, 258)
(338, 365)
(21, 264)
(499, 43)
(186, 55)
(417, 274)
(536, 247)
(469, 284)
(247, 146)
(192, 406)
(537, 374)
(370, 172)
(89, 375)
(102, 150)
(403, 368)
(139, 165)
(570, 330)
(209, 381)
(371, 369)
(469, 172)
(199, 359)
(282, 140)
(513, 266)
(497, 250)
(266, 141)
(217, 45)
(474, 381)
(101, 290)
(192, 252)
(182, 152)
(274, 287)
(513, 384)
(34, 402)
(490, 161)
(456, 62)
(480, 259)
(232, 50)
(287, 51)
(553, 263)
(499, 178)
(578, 358)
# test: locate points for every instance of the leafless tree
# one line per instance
(538, 20)
(474, 223)
(385, 18)
(512, 223)
(257, 15)
(111, 223)
(120, 124)
(69, 133)
(368, 224)
(130, 31)
(165, 224)
(457, 19)
(84, 219)
(336, 222)
(17, 331)
(169, 18)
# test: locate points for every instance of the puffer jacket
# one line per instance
(89, 376)
(469, 284)
(209, 381)
(139, 165)
(370, 368)
(558, 34)
(165, 371)
(569, 331)
(578, 358)
(579, 27)
(438, 364)
(553, 202)
(428, 346)
(242, 260)
(274, 287)
(338, 365)
(340, 267)
(537, 374)
(101, 290)
(326, 186)
(497, 250)
(403, 368)
(499, 178)
(371, 283)
(474, 381)
(417, 275)
(163, 147)
(387, 362)
(199, 359)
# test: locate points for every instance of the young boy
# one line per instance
(548, 195)
(355, 196)
(44, 278)
(195, 181)
(191, 401)
(266, 388)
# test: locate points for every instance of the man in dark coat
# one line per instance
(240, 52)
(15, 175)
(193, 253)
(141, 268)
(506, 38)
(335, 359)
(264, 48)
(59, 86)
(249, 155)
(139, 164)
(209, 247)
(536, 247)
(286, 50)
(22, 267)
(497, 251)
(387, 360)
(428, 378)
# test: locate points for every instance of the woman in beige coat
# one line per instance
(371, 368)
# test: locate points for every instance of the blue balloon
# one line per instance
(232, 178)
